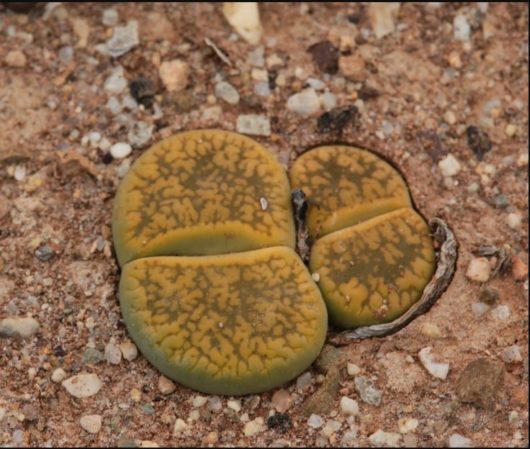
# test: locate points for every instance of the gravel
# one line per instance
(124, 39)
(140, 134)
(304, 380)
(44, 253)
(116, 83)
(174, 74)
(353, 369)
(112, 354)
(165, 385)
(226, 92)
(349, 406)
(449, 165)
(24, 327)
(254, 125)
(281, 400)
(382, 438)
(457, 440)
(368, 392)
(435, 369)
(179, 427)
(83, 385)
(109, 17)
(501, 313)
(407, 425)
(479, 269)
(305, 103)
(91, 423)
(479, 382)
(461, 28)
(315, 421)
(129, 350)
(512, 354)
(254, 427)
(120, 150)
(234, 404)
(58, 375)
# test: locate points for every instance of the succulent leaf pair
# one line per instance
(211, 288)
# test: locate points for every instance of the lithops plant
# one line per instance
(231, 309)
(211, 289)
(376, 255)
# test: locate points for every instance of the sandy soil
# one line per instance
(417, 90)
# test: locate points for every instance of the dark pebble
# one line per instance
(279, 421)
(478, 141)
(143, 90)
(337, 119)
(325, 56)
(92, 356)
(489, 296)
(479, 382)
(44, 253)
(500, 201)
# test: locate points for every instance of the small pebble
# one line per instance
(457, 440)
(24, 327)
(58, 375)
(449, 165)
(438, 370)
(140, 134)
(349, 406)
(349, 437)
(234, 404)
(331, 427)
(315, 277)
(514, 220)
(179, 427)
(116, 83)
(112, 354)
(315, 421)
(83, 385)
(128, 350)
(174, 74)
(66, 54)
(165, 385)
(91, 423)
(262, 89)
(199, 401)
(253, 427)
(510, 130)
(461, 28)
(513, 418)
(304, 380)
(110, 17)
(479, 269)
(382, 438)
(281, 400)
(114, 105)
(15, 58)
(124, 39)
(430, 330)
(253, 124)
(512, 354)
(368, 393)
(407, 425)
(501, 313)
(328, 101)
(489, 296)
(225, 91)
(353, 369)
(120, 150)
(305, 103)
(44, 253)
(479, 309)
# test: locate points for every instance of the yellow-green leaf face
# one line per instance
(374, 271)
(231, 309)
(346, 185)
(202, 192)
(229, 324)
